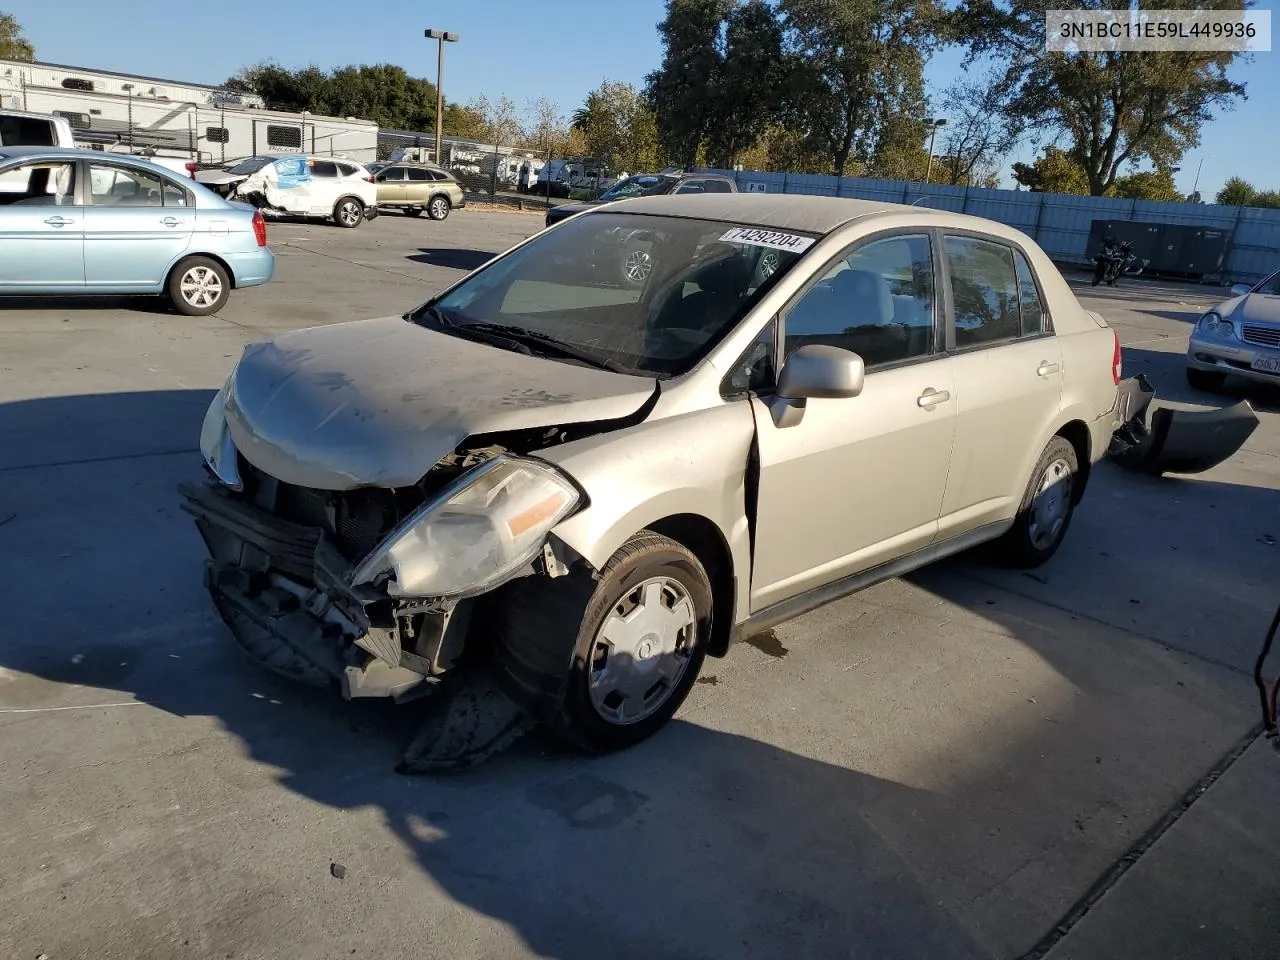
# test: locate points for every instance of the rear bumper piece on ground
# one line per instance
(1175, 441)
(281, 589)
(371, 213)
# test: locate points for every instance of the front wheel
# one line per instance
(348, 212)
(198, 286)
(1046, 510)
(607, 663)
(438, 208)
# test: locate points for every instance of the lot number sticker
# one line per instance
(768, 238)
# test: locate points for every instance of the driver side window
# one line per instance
(877, 301)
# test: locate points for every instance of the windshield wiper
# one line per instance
(541, 341)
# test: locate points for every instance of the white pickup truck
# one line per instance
(21, 129)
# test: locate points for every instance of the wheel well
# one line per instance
(1077, 434)
(348, 196)
(231, 274)
(706, 541)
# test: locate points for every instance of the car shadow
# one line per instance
(1167, 372)
(455, 258)
(701, 842)
(138, 303)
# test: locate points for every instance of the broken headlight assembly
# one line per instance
(475, 534)
(1213, 325)
(216, 445)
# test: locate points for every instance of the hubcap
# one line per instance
(1051, 505)
(350, 213)
(642, 650)
(638, 266)
(438, 209)
(200, 287)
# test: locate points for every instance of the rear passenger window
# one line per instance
(716, 186)
(1033, 318)
(346, 170)
(324, 168)
(417, 173)
(392, 173)
(876, 301)
(174, 195)
(984, 291)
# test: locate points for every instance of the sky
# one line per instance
(521, 49)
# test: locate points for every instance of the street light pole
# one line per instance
(442, 38)
(933, 132)
(1195, 187)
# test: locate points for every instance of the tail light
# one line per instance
(1117, 362)
(191, 169)
(260, 231)
(370, 180)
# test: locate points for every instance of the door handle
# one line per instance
(1046, 368)
(59, 221)
(931, 398)
(171, 221)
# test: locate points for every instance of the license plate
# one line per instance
(1267, 364)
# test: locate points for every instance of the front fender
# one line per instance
(691, 463)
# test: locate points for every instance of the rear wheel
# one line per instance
(607, 663)
(1046, 511)
(198, 286)
(1206, 380)
(348, 212)
(438, 208)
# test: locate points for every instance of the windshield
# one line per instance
(641, 186)
(251, 165)
(1270, 286)
(640, 293)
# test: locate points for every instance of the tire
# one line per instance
(1205, 380)
(553, 658)
(438, 208)
(1027, 544)
(198, 286)
(348, 213)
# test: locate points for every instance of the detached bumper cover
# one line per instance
(1175, 441)
(281, 589)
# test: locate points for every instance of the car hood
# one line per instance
(379, 402)
(1257, 308)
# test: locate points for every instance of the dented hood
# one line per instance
(379, 402)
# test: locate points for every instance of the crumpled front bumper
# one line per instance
(281, 588)
(1175, 441)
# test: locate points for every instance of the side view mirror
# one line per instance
(1240, 289)
(819, 371)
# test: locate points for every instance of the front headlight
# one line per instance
(475, 534)
(1215, 326)
(215, 441)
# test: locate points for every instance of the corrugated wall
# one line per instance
(1059, 223)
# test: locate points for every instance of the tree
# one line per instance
(747, 88)
(545, 127)
(1057, 171)
(500, 121)
(1147, 185)
(618, 128)
(980, 130)
(852, 64)
(13, 45)
(680, 91)
(899, 152)
(1116, 107)
(1236, 192)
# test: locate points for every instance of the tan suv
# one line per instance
(414, 187)
(586, 485)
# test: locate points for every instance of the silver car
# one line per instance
(584, 486)
(1239, 337)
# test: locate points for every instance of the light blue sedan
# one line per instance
(76, 222)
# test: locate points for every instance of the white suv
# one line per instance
(299, 185)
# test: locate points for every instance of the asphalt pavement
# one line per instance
(967, 762)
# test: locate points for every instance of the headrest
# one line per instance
(865, 295)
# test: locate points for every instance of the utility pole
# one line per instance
(1195, 187)
(442, 37)
(934, 124)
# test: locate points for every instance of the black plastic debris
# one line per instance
(1175, 441)
(467, 722)
(338, 870)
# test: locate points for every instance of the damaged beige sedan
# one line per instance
(569, 490)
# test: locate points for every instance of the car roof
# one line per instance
(793, 211)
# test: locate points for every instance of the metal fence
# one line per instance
(1059, 223)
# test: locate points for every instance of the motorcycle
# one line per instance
(1115, 261)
